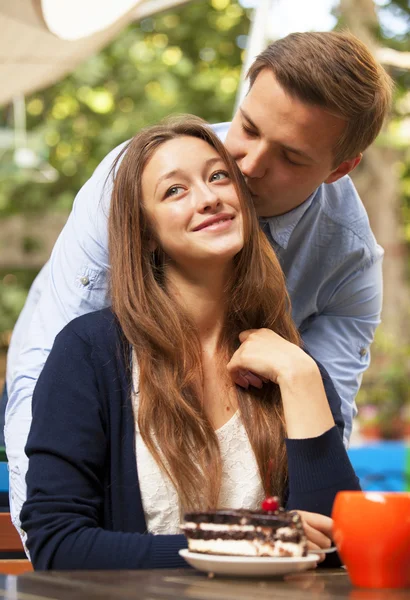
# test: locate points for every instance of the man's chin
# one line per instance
(265, 207)
(260, 205)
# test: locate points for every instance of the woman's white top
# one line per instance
(241, 485)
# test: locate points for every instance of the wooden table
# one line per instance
(182, 583)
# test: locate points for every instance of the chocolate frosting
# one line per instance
(276, 519)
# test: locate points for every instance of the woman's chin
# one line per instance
(207, 257)
(223, 251)
(222, 257)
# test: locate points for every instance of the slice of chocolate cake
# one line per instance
(246, 533)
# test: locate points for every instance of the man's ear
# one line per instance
(343, 169)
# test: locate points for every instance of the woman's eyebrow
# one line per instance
(168, 175)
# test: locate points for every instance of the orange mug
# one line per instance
(372, 534)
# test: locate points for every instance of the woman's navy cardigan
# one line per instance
(83, 508)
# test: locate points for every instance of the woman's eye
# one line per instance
(174, 190)
(219, 175)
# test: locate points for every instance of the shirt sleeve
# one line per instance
(319, 468)
(68, 449)
(340, 337)
(73, 283)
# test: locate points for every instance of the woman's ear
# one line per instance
(152, 245)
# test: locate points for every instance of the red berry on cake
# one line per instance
(270, 504)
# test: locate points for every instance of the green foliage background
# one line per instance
(399, 127)
(185, 61)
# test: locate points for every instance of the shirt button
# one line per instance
(363, 351)
(85, 280)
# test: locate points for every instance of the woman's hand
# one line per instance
(318, 529)
(264, 355)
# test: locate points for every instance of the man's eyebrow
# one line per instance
(286, 147)
(298, 152)
(171, 174)
(247, 118)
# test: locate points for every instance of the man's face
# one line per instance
(284, 147)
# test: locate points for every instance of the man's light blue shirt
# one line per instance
(329, 255)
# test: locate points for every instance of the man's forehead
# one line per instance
(278, 136)
(280, 118)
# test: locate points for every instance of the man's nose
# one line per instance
(254, 163)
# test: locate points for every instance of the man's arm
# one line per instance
(74, 283)
(340, 337)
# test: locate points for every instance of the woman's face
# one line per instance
(192, 202)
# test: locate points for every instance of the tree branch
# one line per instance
(393, 58)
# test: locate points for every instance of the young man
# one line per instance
(316, 101)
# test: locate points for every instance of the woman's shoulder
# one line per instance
(93, 328)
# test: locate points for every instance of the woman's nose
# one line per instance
(209, 199)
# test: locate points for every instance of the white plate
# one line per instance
(323, 550)
(248, 566)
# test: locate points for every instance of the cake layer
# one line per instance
(208, 531)
(246, 533)
(275, 519)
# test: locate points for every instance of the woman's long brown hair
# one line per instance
(171, 415)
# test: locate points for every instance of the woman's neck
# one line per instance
(203, 296)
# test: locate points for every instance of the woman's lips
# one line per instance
(216, 224)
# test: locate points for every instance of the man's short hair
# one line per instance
(338, 72)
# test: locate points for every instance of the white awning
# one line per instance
(41, 41)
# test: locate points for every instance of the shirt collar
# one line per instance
(282, 226)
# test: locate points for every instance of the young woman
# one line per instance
(192, 391)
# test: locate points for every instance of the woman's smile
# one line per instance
(217, 223)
